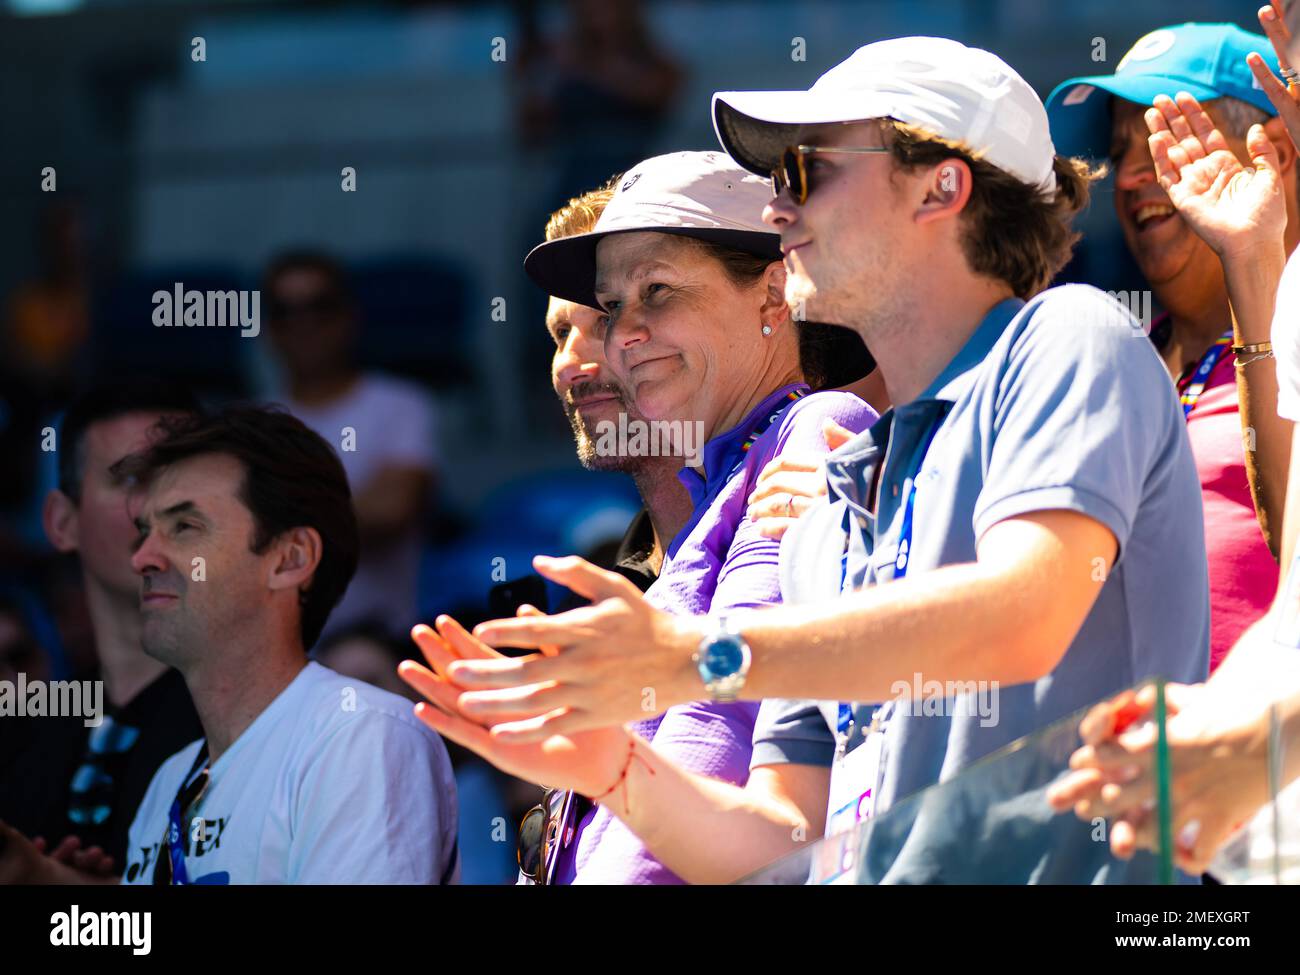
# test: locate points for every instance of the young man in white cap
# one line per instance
(972, 537)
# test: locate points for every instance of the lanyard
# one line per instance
(192, 788)
(905, 533)
(763, 425)
(1194, 385)
(844, 715)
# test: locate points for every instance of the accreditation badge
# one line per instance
(855, 769)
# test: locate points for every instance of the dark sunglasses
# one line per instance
(191, 790)
(792, 174)
(538, 831)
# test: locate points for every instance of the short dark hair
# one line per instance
(303, 259)
(108, 400)
(292, 478)
(832, 356)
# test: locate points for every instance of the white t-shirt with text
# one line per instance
(336, 782)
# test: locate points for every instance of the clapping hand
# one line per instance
(1232, 207)
(1285, 98)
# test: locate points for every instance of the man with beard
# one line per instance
(590, 396)
(830, 357)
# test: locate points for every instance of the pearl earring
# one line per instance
(767, 329)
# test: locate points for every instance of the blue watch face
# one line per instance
(723, 657)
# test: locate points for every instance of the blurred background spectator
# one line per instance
(67, 778)
(381, 427)
(49, 316)
(593, 94)
(20, 653)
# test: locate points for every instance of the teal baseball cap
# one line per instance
(1206, 60)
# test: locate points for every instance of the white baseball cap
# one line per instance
(957, 92)
(693, 194)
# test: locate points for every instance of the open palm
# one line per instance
(1230, 206)
(587, 762)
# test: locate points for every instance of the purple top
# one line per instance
(718, 562)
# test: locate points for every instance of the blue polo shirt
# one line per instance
(1057, 403)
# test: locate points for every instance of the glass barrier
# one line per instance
(990, 824)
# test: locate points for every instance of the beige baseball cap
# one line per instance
(693, 194)
(957, 92)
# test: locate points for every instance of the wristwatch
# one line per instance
(722, 659)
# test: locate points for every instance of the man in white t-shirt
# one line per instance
(333, 783)
(382, 428)
(246, 541)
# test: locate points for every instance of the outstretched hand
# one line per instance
(1233, 208)
(1285, 98)
(1219, 772)
(24, 861)
(617, 660)
(587, 762)
(70, 853)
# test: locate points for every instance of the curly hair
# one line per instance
(1013, 232)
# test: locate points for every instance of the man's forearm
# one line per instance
(1288, 712)
(1256, 686)
(1247, 658)
(957, 623)
(1252, 290)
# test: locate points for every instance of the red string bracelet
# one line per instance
(622, 777)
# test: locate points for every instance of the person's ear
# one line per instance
(1276, 131)
(774, 312)
(298, 553)
(59, 518)
(946, 192)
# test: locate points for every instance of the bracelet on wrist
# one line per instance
(622, 776)
(1253, 348)
(1242, 363)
